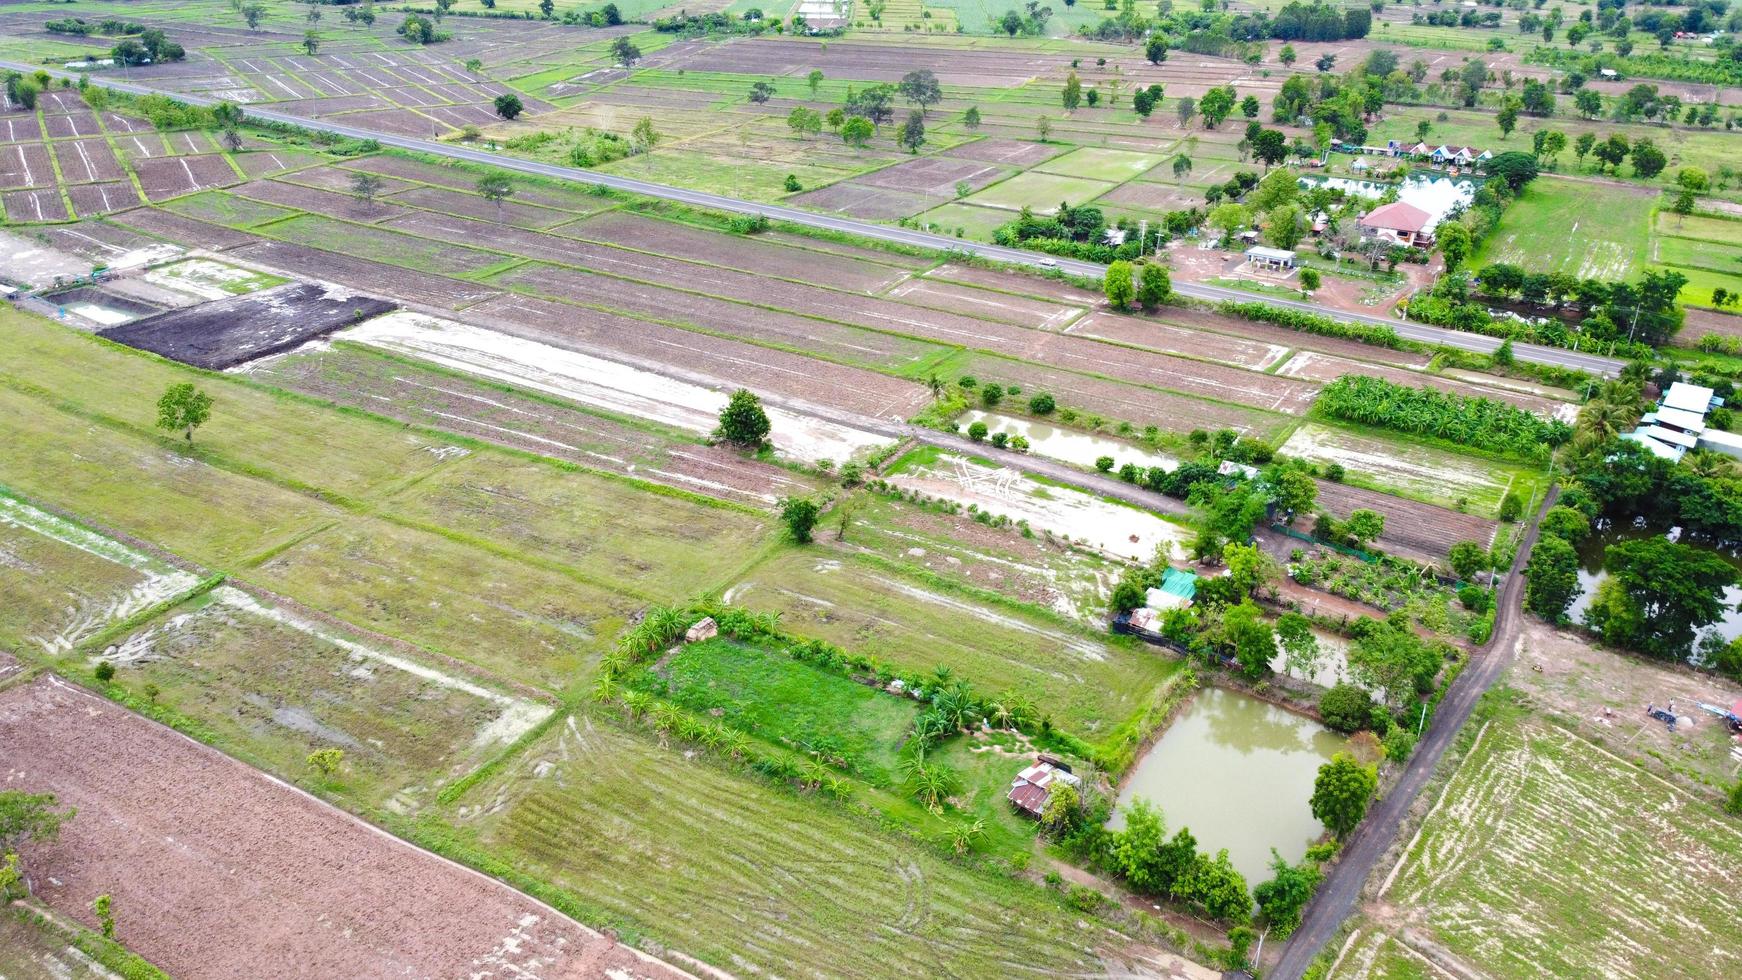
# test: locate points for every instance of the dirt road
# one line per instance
(1340, 891)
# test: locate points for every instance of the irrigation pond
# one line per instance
(1068, 445)
(1238, 772)
(1592, 552)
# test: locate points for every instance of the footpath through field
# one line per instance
(1341, 889)
(1413, 331)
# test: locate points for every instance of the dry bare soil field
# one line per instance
(219, 869)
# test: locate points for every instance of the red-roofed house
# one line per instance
(1031, 787)
(1405, 224)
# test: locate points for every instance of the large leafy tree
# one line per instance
(1659, 594)
(1341, 794)
(743, 420)
(1551, 578)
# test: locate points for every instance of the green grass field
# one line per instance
(790, 704)
(1040, 191)
(1098, 163)
(664, 545)
(1089, 684)
(758, 879)
(1583, 229)
(1708, 250)
(1545, 848)
(223, 208)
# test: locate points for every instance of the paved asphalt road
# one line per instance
(1339, 894)
(1413, 331)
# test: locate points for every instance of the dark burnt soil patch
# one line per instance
(228, 332)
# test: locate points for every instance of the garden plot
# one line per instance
(1253, 355)
(939, 176)
(1108, 398)
(19, 129)
(87, 161)
(237, 329)
(766, 258)
(1325, 367)
(266, 161)
(869, 203)
(70, 125)
(219, 870)
(92, 199)
(31, 206)
(1548, 856)
(1088, 683)
(1032, 313)
(189, 232)
(446, 201)
(167, 177)
(25, 165)
(493, 412)
(274, 686)
(852, 345)
(1009, 153)
(1421, 472)
(1112, 528)
(1588, 229)
(296, 197)
(608, 385)
(563, 197)
(659, 544)
(65, 583)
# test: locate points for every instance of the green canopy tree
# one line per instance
(743, 420)
(1342, 792)
(1551, 578)
(1658, 595)
(183, 408)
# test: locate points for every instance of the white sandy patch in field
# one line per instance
(159, 580)
(1077, 644)
(1118, 530)
(518, 716)
(598, 382)
(201, 277)
(1423, 471)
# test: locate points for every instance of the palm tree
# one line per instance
(1603, 420)
(961, 836)
(936, 384)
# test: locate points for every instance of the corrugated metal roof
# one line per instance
(1688, 398)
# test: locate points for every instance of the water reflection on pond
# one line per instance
(1067, 445)
(1591, 573)
(1239, 772)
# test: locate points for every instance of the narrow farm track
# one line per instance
(903, 236)
(1341, 890)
